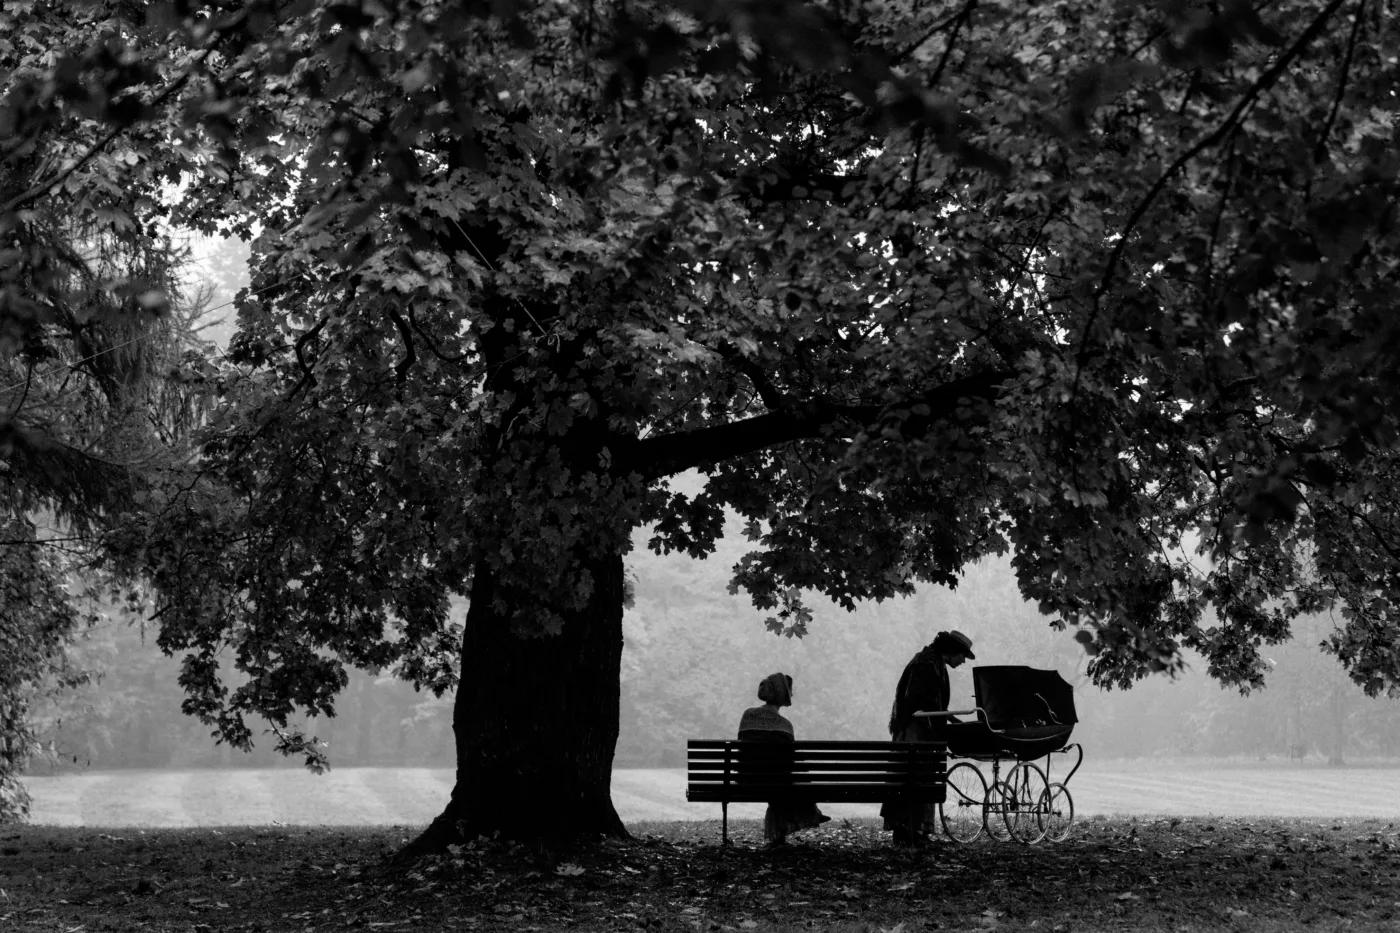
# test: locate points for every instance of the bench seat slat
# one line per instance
(755, 764)
(779, 778)
(817, 777)
(814, 744)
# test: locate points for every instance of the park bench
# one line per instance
(729, 771)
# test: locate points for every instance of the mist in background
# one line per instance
(694, 655)
(691, 664)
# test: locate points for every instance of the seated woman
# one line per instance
(765, 724)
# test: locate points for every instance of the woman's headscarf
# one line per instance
(776, 689)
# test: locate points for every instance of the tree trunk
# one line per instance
(536, 722)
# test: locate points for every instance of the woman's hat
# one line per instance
(966, 643)
(776, 689)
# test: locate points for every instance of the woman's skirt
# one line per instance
(784, 818)
(910, 822)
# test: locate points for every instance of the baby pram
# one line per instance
(1022, 715)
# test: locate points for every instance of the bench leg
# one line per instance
(724, 823)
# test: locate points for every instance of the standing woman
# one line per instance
(923, 686)
(765, 724)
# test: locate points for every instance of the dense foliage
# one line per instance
(31, 655)
(1104, 287)
(96, 344)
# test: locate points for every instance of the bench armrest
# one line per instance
(927, 714)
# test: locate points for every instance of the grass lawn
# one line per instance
(1166, 874)
(392, 796)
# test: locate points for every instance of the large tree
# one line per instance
(1106, 287)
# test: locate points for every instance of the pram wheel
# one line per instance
(1023, 715)
(1057, 812)
(962, 808)
(1021, 800)
(994, 813)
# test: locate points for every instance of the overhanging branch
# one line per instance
(773, 397)
(673, 453)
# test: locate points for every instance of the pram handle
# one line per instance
(944, 714)
(982, 714)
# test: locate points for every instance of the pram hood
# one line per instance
(1013, 695)
(1028, 714)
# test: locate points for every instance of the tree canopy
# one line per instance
(1108, 288)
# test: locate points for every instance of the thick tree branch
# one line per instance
(308, 377)
(773, 397)
(672, 453)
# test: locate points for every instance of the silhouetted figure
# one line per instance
(923, 686)
(765, 724)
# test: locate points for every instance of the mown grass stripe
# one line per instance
(227, 797)
(406, 795)
(135, 798)
(412, 796)
(57, 800)
(337, 798)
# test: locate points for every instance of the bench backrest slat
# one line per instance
(749, 761)
(730, 771)
(801, 755)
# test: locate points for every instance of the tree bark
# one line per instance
(536, 723)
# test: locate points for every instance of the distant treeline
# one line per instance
(694, 656)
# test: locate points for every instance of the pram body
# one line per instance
(1023, 714)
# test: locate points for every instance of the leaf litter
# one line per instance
(1266, 875)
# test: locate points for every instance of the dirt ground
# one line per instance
(1112, 874)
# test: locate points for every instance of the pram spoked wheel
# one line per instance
(994, 810)
(1021, 806)
(1022, 714)
(963, 805)
(1057, 812)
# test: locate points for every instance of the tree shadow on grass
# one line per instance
(846, 876)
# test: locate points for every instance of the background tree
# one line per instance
(909, 283)
(94, 366)
(691, 657)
